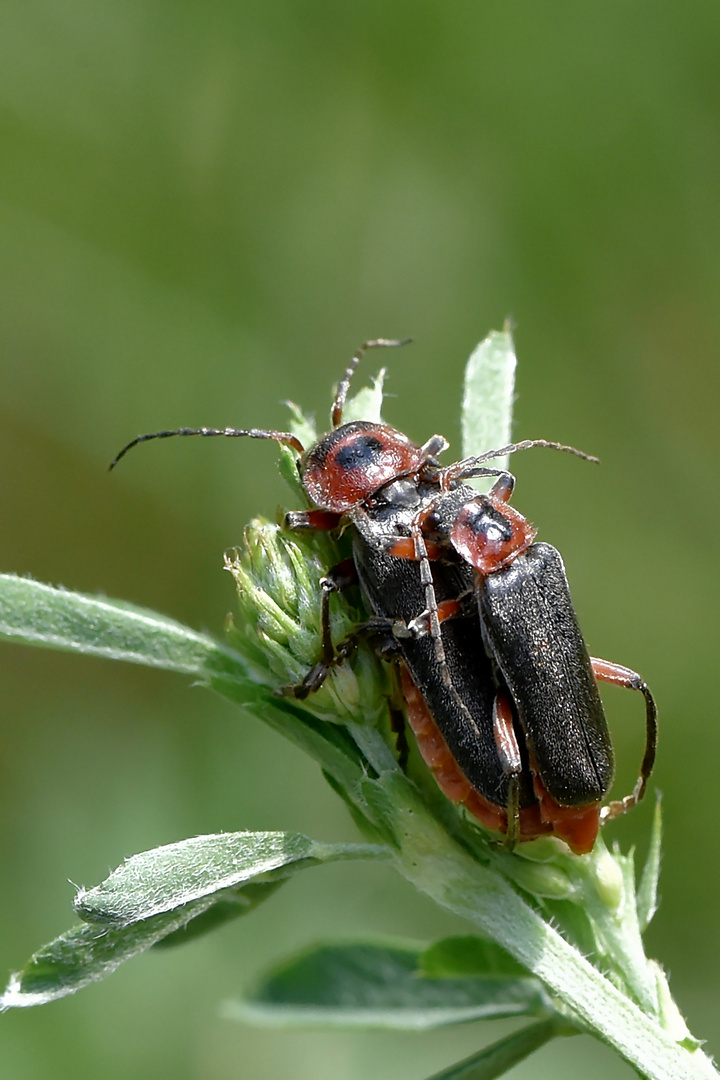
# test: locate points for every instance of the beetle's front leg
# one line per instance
(338, 578)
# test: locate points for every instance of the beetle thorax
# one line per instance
(354, 461)
(489, 534)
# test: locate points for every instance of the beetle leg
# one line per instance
(446, 609)
(404, 548)
(432, 619)
(509, 754)
(386, 629)
(389, 630)
(338, 578)
(431, 606)
(618, 675)
(322, 520)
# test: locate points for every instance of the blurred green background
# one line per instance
(204, 209)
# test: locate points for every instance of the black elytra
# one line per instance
(529, 620)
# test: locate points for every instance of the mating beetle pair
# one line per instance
(497, 682)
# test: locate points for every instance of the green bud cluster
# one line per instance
(278, 575)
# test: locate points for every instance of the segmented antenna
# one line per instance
(232, 433)
(344, 384)
(467, 467)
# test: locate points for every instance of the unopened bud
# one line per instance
(608, 878)
(279, 626)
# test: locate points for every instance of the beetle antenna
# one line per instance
(344, 384)
(285, 437)
(466, 467)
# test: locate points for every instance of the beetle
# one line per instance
(461, 705)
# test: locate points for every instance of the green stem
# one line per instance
(439, 867)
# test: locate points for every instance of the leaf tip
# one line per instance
(14, 998)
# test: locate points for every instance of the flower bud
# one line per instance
(545, 879)
(608, 876)
(278, 577)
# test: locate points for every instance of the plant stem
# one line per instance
(439, 867)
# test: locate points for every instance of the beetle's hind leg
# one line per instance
(618, 675)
